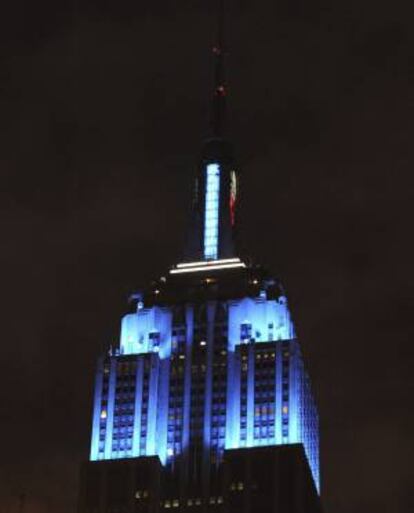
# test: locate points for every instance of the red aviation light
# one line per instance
(221, 90)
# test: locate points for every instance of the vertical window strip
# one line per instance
(211, 220)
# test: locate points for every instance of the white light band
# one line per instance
(208, 268)
(201, 263)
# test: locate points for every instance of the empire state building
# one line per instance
(205, 405)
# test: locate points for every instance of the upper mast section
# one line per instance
(219, 95)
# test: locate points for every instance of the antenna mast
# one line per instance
(220, 91)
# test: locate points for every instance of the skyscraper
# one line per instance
(206, 403)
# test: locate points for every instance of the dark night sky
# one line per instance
(103, 108)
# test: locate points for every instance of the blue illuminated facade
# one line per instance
(202, 378)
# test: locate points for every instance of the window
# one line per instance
(246, 331)
(155, 339)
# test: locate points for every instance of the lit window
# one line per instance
(240, 485)
(175, 503)
(103, 414)
(285, 410)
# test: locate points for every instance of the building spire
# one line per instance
(219, 94)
